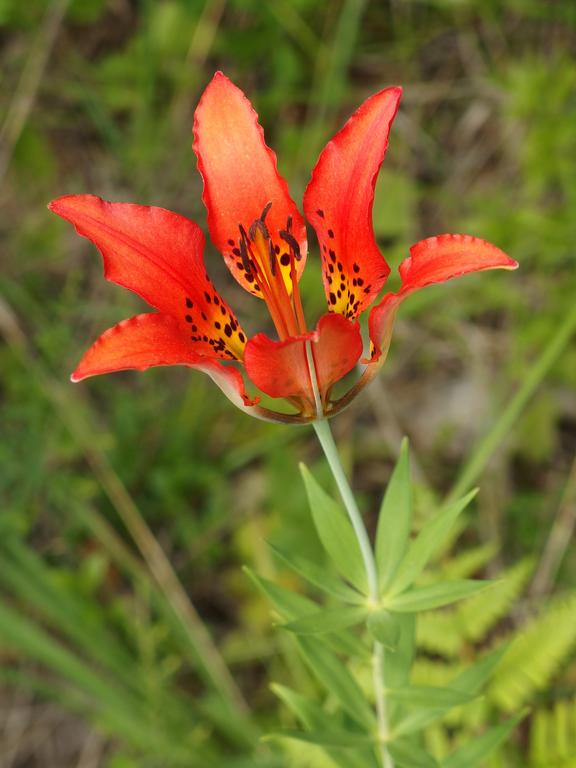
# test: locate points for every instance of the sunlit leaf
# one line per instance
(328, 620)
(436, 595)
(335, 532)
(430, 538)
(394, 521)
(475, 751)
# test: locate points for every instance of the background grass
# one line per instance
(113, 653)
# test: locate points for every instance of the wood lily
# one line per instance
(261, 234)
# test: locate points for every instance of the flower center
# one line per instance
(273, 269)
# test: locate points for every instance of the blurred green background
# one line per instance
(114, 654)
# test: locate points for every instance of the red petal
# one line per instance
(158, 255)
(280, 368)
(240, 175)
(337, 349)
(431, 261)
(338, 204)
(148, 340)
(443, 257)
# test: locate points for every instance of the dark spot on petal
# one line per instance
(360, 281)
(217, 325)
(189, 303)
(230, 242)
(227, 330)
(332, 298)
(332, 255)
(242, 337)
(204, 316)
(331, 233)
(216, 300)
(188, 318)
(207, 297)
(236, 252)
(285, 260)
(320, 213)
(356, 268)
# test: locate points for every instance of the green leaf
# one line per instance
(394, 521)
(385, 628)
(328, 620)
(398, 663)
(336, 533)
(428, 696)
(337, 679)
(292, 606)
(436, 595)
(314, 718)
(288, 604)
(406, 754)
(430, 538)
(474, 752)
(318, 576)
(475, 677)
(342, 739)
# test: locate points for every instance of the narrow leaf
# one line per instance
(428, 541)
(428, 696)
(314, 718)
(318, 576)
(328, 620)
(394, 521)
(337, 679)
(475, 677)
(406, 754)
(473, 753)
(342, 739)
(436, 595)
(335, 532)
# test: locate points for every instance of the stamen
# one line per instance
(292, 242)
(265, 211)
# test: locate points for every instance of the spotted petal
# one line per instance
(156, 339)
(158, 255)
(431, 261)
(241, 177)
(338, 203)
(280, 368)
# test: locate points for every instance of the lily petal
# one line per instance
(156, 339)
(280, 368)
(434, 260)
(158, 255)
(338, 203)
(241, 178)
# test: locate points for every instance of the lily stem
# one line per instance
(324, 434)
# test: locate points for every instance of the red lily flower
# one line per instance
(261, 234)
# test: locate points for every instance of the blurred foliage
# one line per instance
(98, 96)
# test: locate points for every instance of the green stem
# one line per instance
(324, 434)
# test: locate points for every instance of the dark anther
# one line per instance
(289, 223)
(292, 242)
(258, 225)
(265, 211)
(244, 251)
